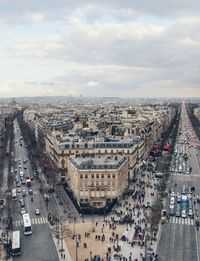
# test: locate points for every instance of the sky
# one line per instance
(104, 48)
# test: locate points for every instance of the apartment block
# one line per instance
(97, 181)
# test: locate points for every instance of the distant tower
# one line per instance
(13, 102)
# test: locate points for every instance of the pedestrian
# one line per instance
(64, 256)
(61, 255)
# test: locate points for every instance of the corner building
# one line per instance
(97, 182)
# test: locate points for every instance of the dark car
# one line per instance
(178, 211)
(171, 211)
(22, 204)
(30, 192)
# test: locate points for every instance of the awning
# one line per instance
(166, 147)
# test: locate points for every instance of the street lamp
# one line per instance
(76, 247)
(74, 225)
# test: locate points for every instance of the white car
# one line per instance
(37, 211)
(23, 211)
(172, 200)
(183, 213)
(190, 213)
(172, 194)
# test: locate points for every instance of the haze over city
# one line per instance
(100, 48)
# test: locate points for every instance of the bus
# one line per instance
(16, 243)
(14, 194)
(27, 224)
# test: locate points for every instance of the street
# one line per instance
(179, 238)
(39, 245)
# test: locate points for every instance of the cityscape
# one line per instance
(113, 172)
(99, 130)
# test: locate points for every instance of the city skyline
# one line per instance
(102, 49)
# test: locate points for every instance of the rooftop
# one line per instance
(106, 162)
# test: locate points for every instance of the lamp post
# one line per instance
(76, 247)
(74, 225)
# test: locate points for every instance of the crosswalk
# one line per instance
(185, 175)
(182, 221)
(34, 221)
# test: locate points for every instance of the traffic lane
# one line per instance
(38, 246)
(189, 243)
(166, 244)
(177, 182)
(37, 203)
(177, 242)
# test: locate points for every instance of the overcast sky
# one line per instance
(128, 48)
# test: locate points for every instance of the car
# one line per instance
(172, 194)
(22, 204)
(184, 213)
(21, 199)
(23, 181)
(178, 197)
(172, 200)
(30, 192)
(178, 211)
(23, 193)
(23, 211)
(171, 211)
(190, 213)
(37, 211)
(19, 190)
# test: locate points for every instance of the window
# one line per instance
(92, 176)
(97, 176)
(86, 176)
(109, 176)
(102, 176)
(113, 175)
(81, 176)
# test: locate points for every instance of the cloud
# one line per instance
(114, 48)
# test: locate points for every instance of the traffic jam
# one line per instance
(181, 207)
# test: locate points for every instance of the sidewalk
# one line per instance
(128, 250)
(63, 254)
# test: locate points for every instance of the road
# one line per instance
(179, 239)
(39, 245)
